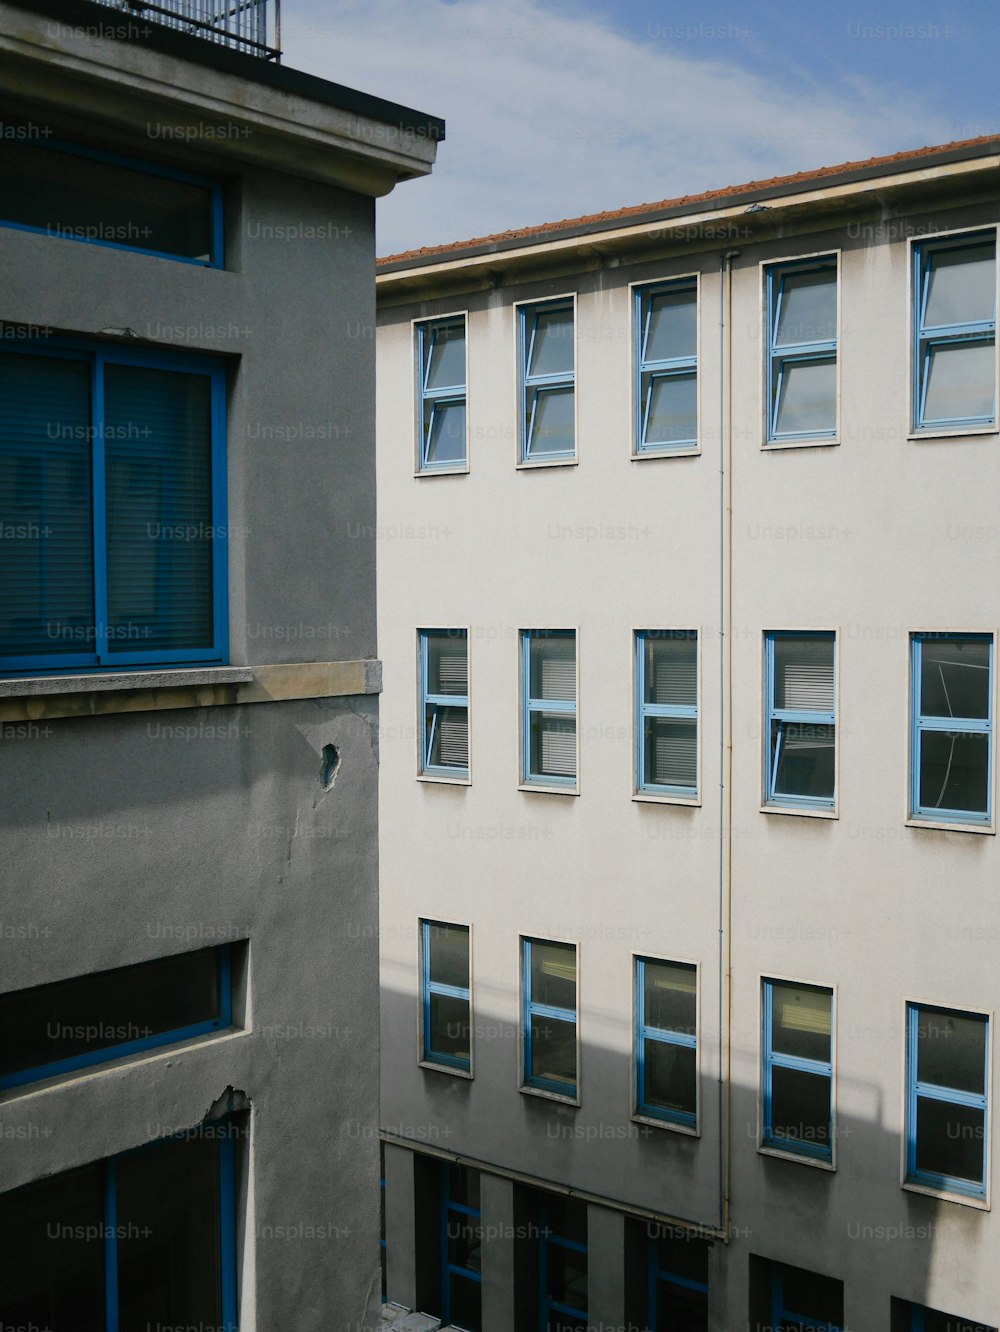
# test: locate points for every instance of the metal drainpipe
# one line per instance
(726, 739)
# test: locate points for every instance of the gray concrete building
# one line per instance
(688, 615)
(189, 691)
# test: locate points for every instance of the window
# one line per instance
(666, 1041)
(802, 350)
(548, 981)
(677, 1283)
(801, 1301)
(954, 353)
(444, 702)
(952, 740)
(548, 691)
(548, 410)
(441, 366)
(461, 1244)
(666, 690)
(801, 720)
(798, 1069)
(562, 1264)
(146, 1239)
(112, 487)
(78, 193)
(947, 1084)
(69, 1025)
(666, 366)
(907, 1317)
(447, 1001)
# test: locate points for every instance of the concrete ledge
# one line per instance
(50, 697)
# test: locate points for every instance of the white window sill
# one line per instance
(184, 677)
(941, 826)
(653, 1122)
(648, 454)
(964, 1199)
(544, 1095)
(798, 1158)
(445, 1068)
(539, 788)
(443, 471)
(530, 464)
(651, 798)
(801, 813)
(953, 432)
(434, 780)
(773, 445)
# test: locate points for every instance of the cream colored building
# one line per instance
(689, 894)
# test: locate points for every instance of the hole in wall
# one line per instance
(331, 766)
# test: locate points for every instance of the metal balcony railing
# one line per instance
(242, 24)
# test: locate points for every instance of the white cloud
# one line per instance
(550, 116)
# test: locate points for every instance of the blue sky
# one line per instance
(556, 109)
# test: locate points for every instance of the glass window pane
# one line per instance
(550, 423)
(670, 409)
(446, 355)
(449, 954)
(463, 1185)
(961, 381)
(448, 663)
(447, 731)
(950, 1140)
(553, 974)
(672, 326)
(818, 1297)
(806, 759)
(807, 309)
(679, 1309)
(552, 349)
(449, 1027)
(687, 1258)
(466, 1304)
(566, 1217)
(802, 1022)
(567, 1270)
(961, 285)
(951, 1050)
(464, 1239)
(807, 397)
(553, 1051)
(444, 423)
(954, 678)
(552, 665)
(671, 1077)
(671, 668)
(671, 752)
(800, 1106)
(169, 1237)
(804, 673)
(553, 745)
(52, 1254)
(670, 996)
(954, 771)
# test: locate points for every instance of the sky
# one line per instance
(556, 109)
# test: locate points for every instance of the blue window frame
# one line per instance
(666, 366)
(802, 350)
(442, 407)
(666, 691)
(548, 986)
(547, 381)
(146, 1237)
(49, 1030)
(800, 720)
(444, 702)
(677, 1277)
(55, 188)
(951, 745)
(113, 488)
(947, 1062)
(562, 1265)
(918, 1318)
(446, 995)
(666, 1041)
(797, 1069)
(461, 1246)
(802, 1300)
(954, 336)
(548, 696)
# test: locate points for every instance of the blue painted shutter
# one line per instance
(159, 509)
(46, 537)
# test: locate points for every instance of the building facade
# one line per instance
(688, 861)
(189, 692)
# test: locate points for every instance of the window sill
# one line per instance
(432, 1067)
(653, 1122)
(528, 464)
(693, 452)
(544, 1095)
(773, 445)
(29, 686)
(651, 798)
(953, 432)
(801, 813)
(434, 780)
(934, 826)
(539, 788)
(964, 1199)
(798, 1158)
(442, 471)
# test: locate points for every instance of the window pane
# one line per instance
(446, 359)
(46, 555)
(169, 1237)
(449, 1027)
(951, 1050)
(670, 408)
(961, 381)
(553, 974)
(806, 759)
(466, 1304)
(445, 426)
(670, 996)
(550, 422)
(158, 447)
(807, 309)
(954, 678)
(950, 1140)
(448, 663)
(553, 745)
(552, 665)
(553, 1051)
(679, 1309)
(672, 326)
(567, 1276)
(671, 1077)
(802, 1022)
(449, 954)
(91, 1013)
(804, 673)
(671, 752)
(800, 1106)
(464, 1238)
(52, 1254)
(961, 285)
(686, 1258)
(447, 731)
(818, 1297)
(954, 771)
(671, 668)
(566, 1217)
(463, 1185)
(552, 350)
(807, 398)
